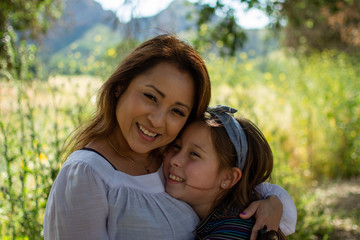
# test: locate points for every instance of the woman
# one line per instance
(111, 185)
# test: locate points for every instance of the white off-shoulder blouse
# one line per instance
(90, 199)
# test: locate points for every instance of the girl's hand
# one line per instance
(267, 212)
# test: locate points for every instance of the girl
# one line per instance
(215, 166)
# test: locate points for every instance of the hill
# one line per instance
(85, 32)
(79, 16)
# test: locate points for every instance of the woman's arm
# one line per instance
(277, 204)
(77, 207)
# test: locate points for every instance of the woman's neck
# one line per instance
(123, 147)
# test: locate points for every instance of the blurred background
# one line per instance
(291, 66)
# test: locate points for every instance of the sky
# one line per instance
(252, 19)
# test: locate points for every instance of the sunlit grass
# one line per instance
(308, 109)
(36, 118)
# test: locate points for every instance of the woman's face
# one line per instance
(191, 167)
(154, 107)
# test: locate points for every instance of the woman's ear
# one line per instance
(231, 177)
(117, 93)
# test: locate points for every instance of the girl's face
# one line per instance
(191, 167)
(154, 107)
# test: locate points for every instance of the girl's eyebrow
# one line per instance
(163, 95)
(199, 147)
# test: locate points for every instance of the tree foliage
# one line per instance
(222, 31)
(322, 24)
(308, 24)
(22, 20)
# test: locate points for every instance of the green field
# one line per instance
(308, 108)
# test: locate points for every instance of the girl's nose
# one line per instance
(176, 160)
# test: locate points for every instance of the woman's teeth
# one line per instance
(146, 132)
(175, 178)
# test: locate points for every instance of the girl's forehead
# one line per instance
(197, 131)
(196, 127)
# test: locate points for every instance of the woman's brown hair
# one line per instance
(164, 48)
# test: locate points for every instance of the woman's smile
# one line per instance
(147, 133)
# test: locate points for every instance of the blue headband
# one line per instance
(234, 131)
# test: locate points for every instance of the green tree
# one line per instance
(321, 24)
(308, 24)
(22, 20)
(228, 35)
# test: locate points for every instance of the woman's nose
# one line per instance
(157, 118)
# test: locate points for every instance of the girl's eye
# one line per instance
(179, 112)
(176, 146)
(195, 154)
(173, 149)
(151, 97)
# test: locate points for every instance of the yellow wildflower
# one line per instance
(243, 55)
(43, 158)
(111, 52)
(268, 76)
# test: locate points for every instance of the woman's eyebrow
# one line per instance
(183, 104)
(163, 95)
(156, 89)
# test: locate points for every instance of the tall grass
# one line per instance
(36, 117)
(308, 108)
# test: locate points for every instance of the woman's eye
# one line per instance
(151, 97)
(179, 112)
